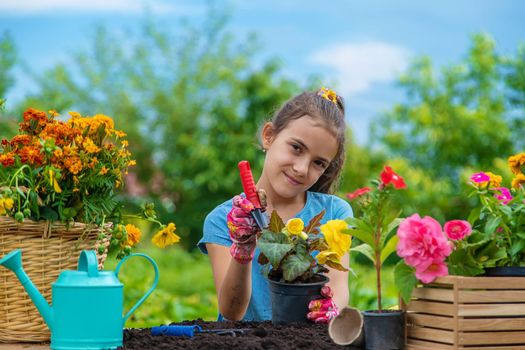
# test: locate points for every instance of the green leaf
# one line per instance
(276, 223)
(366, 250)
(492, 224)
(48, 214)
(390, 227)
(474, 215)
(405, 280)
(295, 265)
(313, 225)
(461, 262)
(517, 247)
(389, 248)
(274, 246)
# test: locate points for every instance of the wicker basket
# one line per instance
(47, 249)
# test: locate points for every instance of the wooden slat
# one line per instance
(431, 334)
(490, 282)
(491, 338)
(491, 310)
(491, 324)
(430, 307)
(491, 296)
(414, 344)
(433, 321)
(504, 347)
(438, 294)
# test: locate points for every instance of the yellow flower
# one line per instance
(166, 236)
(518, 181)
(8, 203)
(132, 163)
(103, 171)
(516, 162)
(328, 94)
(337, 241)
(134, 234)
(327, 255)
(90, 146)
(295, 227)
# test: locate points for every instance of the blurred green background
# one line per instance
(460, 118)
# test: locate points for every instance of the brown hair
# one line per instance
(322, 109)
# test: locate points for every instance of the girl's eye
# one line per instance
(296, 147)
(321, 164)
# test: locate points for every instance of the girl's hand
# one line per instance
(242, 228)
(323, 310)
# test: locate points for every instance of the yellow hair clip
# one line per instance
(328, 94)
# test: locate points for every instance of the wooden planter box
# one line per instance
(469, 313)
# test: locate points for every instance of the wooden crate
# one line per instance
(468, 313)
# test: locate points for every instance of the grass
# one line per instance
(186, 291)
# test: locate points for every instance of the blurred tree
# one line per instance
(8, 58)
(191, 103)
(452, 125)
(452, 121)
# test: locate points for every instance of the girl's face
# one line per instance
(296, 157)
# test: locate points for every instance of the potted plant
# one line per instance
(294, 271)
(496, 246)
(375, 228)
(58, 194)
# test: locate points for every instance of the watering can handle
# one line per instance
(87, 262)
(155, 281)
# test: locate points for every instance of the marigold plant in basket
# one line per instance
(70, 171)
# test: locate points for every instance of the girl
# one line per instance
(304, 146)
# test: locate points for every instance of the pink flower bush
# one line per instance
(424, 246)
(457, 229)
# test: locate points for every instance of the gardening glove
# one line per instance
(242, 228)
(323, 310)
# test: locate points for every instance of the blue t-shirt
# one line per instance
(216, 231)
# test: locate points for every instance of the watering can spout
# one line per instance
(13, 261)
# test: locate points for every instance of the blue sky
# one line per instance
(360, 47)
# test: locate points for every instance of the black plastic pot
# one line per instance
(290, 300)
(384, 330)
(505, 271)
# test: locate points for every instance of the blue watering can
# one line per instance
(87, 304)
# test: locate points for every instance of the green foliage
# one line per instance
(191, 101)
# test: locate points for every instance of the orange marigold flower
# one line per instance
(76, 166)
(518, 181)
(132, 163)
(516, 162)
(7, 159)
(20, 140)
(90, 146)
(120, 134)
(30, 155)
(134, 234)
(103, 171)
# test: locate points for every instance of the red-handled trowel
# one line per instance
(251, 194)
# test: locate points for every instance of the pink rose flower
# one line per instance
(431, 270)
(422, 241)
(457, 229)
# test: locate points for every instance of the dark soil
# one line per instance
(256, 335)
